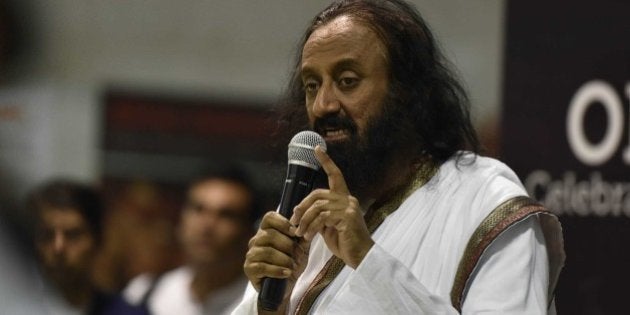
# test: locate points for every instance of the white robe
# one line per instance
(411, 267)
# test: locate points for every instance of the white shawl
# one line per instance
(411, 268)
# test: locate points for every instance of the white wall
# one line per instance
(239, 48)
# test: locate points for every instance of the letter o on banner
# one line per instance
(587, 152)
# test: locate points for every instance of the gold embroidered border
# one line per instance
(502, 217)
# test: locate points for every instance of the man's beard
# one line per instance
(365, 159)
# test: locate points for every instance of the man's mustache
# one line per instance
(336, 122)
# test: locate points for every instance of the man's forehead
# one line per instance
(343, 40)
(215, 192)
(218, 186)
(65, 217)
(341, 26)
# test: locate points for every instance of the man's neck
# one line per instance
(210, 278)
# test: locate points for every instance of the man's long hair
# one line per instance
(438, 117)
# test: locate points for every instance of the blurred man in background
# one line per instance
(217, 220)
(67, 235)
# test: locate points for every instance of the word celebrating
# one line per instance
(590, 93)
(593, 196)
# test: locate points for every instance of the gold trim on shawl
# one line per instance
(502, 217)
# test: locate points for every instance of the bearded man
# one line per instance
(413, 220)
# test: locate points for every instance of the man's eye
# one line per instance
(348, 82)
(232, 214)
(311, 86)
(193, 206)
(74, 234)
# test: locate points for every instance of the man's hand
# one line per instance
(275, 253)
(336, 215)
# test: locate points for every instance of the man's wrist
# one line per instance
(360, 255)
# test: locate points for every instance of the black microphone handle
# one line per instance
(297, 186)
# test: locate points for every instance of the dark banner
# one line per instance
(566, 127)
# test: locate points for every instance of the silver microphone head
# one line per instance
(302, 149)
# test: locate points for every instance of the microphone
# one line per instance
(301, 171)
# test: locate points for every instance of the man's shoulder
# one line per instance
(468, 187)
(138, 287)
(469, 162)
(469, 168)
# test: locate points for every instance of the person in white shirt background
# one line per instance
(412, 220)
(216, 222)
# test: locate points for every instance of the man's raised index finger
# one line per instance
(336, 182)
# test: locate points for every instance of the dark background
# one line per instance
(552, 49)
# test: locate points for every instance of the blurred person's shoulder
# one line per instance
(140, 287)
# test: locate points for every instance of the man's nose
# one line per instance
(59, 242)
(209, 220)
(326, 101)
